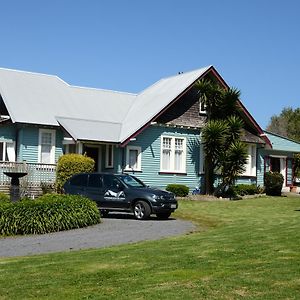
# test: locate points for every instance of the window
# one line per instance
(173, 154)
(202, 107)
(7, 151)
(47, 146)
(79, 180)
(109, 156)
(95, 181)
(251, 161)
(133, 158)
(201, 159)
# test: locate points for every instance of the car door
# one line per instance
(114, 192)
(95, 189)
(78, 184)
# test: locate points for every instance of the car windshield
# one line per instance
(131, 181)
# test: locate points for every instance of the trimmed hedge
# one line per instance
(273, 183)
(179, 190)
(49, 213)
(70, 164)
(245, 189)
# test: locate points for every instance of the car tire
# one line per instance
(141, 210)
(164, 215)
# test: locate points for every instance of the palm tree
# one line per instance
(223, 149)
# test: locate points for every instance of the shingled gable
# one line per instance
(251, 123)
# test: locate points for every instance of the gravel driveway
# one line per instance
(114, 230)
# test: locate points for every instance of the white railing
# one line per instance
(36, 173)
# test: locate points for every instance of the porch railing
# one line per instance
(37, 174)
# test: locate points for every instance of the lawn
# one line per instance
(245, 249)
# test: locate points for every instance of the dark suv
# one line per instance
(122, 192)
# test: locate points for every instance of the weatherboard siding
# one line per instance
(29, 142)
(150, 142)
(7, 133)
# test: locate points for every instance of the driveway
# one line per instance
(114, 230)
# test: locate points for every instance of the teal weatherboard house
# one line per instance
(155, 135)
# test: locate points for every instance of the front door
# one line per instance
(94, 152)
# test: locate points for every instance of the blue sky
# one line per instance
(128, 45)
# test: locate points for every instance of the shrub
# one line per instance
(49, 213)
(4, 198)
(245, 189)
(273, 183)
(179, 190)
(70, 164)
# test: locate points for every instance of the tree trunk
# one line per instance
(209, 177)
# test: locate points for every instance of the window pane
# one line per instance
(166, 159)
(133, 159)
(178, 160)
(46, 138)
(45, 154)
(178, 165)
(167, 143)
(79, 180)
(95, 181)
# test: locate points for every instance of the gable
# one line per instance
(184, 112)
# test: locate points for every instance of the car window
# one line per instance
(111, 182)
(79, 180)
(132, 181)
(95, 181)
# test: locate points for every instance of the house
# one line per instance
(154, 135)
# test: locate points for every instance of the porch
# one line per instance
(39, 177)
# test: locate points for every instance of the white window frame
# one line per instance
(251, 160)
(202, 111)
(139, 158)
(53, 141)
(109, 150)
(11, 155)
(172, 155)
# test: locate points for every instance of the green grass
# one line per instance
(242, 250)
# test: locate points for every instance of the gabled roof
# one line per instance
(93, 114)
(281, 143)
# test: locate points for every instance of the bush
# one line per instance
(4, 198)
(70, 164)
(273, 183)
(179, 190)
(245, 189)
(49, 213)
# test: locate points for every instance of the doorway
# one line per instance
(94, 152)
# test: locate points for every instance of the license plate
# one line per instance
(173, 205)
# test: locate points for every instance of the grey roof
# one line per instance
(91, 130)
(87, 113)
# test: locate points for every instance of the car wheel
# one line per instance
(141, 210)
(163, 216)
(104, 213)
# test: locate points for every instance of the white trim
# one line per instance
(139, 158)
(172, 154)
(251, 160)
(52, 151)
(9, 152)
(202, 111)
(109, 151)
